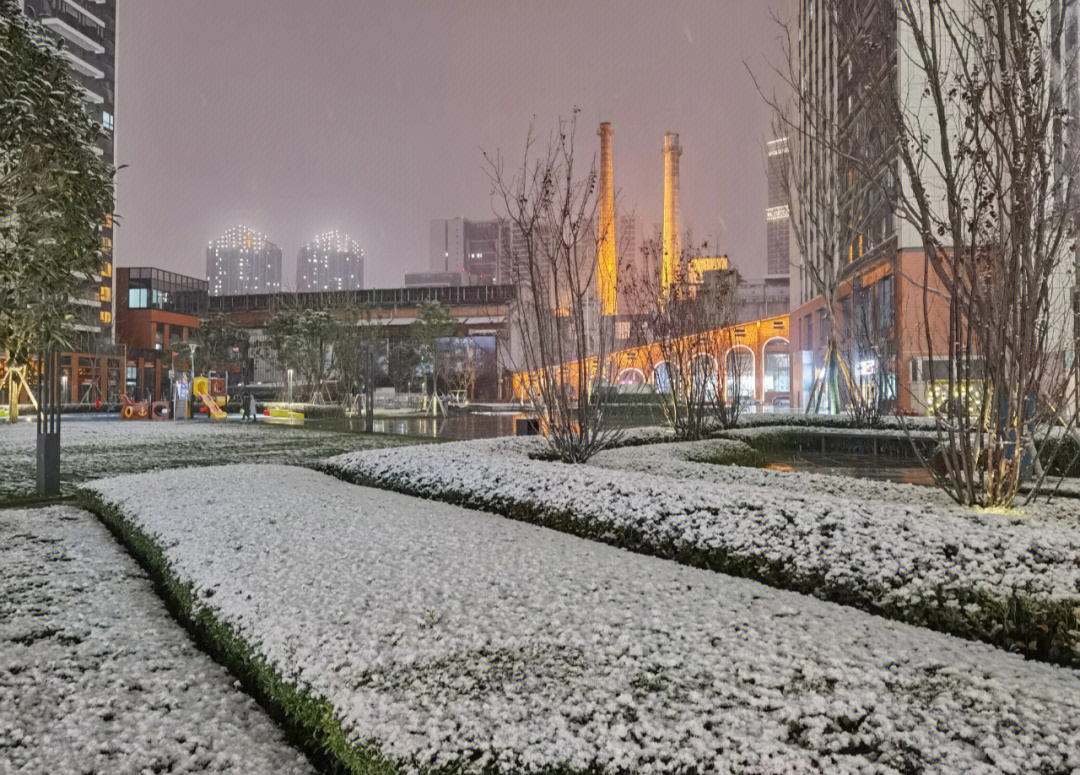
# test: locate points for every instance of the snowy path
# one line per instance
(451, 636)
(96, 677)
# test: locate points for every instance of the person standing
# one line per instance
(243, 407)
(252, 406)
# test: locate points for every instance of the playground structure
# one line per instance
(281, 416)
(211, 391)
(143, 410)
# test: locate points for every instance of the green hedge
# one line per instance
(309, 721)
(1038, 627)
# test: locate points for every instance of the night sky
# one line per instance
(299, 117)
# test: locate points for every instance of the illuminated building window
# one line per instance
(106, 293)
(106, 316)
(106, 269)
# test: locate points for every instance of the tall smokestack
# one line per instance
(607, 266)
(672, 222)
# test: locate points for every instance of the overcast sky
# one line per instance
(370, 117)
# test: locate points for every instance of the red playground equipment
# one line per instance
(143, 410)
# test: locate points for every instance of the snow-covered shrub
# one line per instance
(433, 638)
(1014, 582)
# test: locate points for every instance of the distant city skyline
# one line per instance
(372, 117)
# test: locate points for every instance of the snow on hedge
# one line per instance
(1005, 579)
(94, 674)
(449, 637)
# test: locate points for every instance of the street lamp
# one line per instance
(290, 385)
(191, 386)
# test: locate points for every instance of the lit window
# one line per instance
(107, 120)
(106, 316)
(106, 293)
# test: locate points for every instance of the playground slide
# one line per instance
(212, 407)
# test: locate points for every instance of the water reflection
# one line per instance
(877, 467)
(473, 425)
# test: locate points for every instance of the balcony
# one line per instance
(81, 11)
(91, 96)
(67, 25)
(82, 66)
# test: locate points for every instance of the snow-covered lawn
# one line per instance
(449, 637)
(1014, 581)
(92, 448)
(95, 677)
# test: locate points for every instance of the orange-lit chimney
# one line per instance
(605, 253)
(672, 235)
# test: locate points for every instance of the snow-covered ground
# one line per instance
(449, 636)
(92, 447)
(95, 677)
(962, 571)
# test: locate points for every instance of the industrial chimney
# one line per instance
(672, 235)
(607, 265)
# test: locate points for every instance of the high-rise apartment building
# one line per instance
(777, 210)
(85, 32)
(242, 261)
(849, 228)
(633, 271)
(331, 262)
(475, 249)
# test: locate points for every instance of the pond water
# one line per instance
(463, 426)
(879, 467)
(474, 425)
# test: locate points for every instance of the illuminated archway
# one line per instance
(661, 377)
(740, 372)
(776, 366)
(705, 376)
(630, 377)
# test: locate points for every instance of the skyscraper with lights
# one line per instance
(241, 262)
(333, 261)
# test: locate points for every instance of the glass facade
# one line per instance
(150, 288)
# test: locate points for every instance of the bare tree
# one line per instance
(835, 206)
(988, 183)
(551, 202)
(685, 331)
(964, 130)
(461, 368)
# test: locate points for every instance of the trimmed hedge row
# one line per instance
(880, 558)
(309, 721)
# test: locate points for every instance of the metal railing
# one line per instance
(372, 297)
